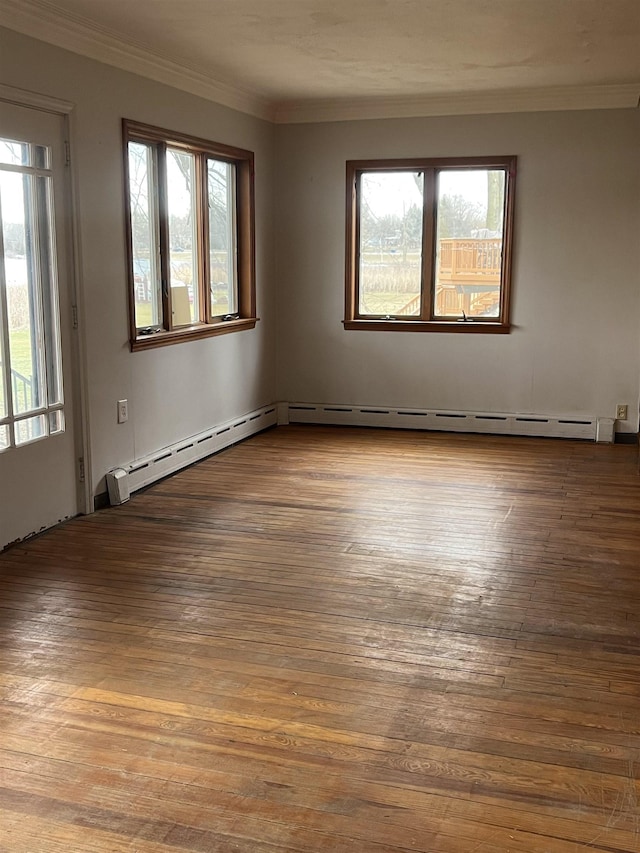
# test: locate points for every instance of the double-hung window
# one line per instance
(429, 244)
(190, 236)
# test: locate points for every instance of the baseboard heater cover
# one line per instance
(168, 460)
(497, 423)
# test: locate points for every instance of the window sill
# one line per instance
(191, 333)
(477, 327)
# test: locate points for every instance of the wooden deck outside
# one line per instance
(341, 640)
(467, 278)
(470, 262)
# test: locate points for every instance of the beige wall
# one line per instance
(576, 292)
(176, 391)
(576, 301)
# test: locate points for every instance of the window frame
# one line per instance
(208, 324)
(426, 322)
(44, 417)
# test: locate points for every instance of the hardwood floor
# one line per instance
(331, 639)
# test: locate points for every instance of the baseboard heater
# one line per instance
(451, 421)
(121, 482)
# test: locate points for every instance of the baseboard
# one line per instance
(100, 501)
(145, 471)
(495, 423)
(626, 438)
(149, 469)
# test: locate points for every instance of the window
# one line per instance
(31, 401)
(429, 244)
(190, 233)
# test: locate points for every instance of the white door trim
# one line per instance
(25, 98)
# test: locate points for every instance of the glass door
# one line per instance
(38, 467)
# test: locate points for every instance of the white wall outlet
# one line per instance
(621, 412)
(123, 411)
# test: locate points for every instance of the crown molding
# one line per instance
(42, 21)
(618, 96)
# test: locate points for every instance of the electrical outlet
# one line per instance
(123, 411)
(621, 412)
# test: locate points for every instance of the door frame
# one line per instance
(80, 413)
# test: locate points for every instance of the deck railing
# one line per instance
(467, 279)
(469, 261)
(21, 391)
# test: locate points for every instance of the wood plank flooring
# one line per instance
(329, 639)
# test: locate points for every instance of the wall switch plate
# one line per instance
(123, 411)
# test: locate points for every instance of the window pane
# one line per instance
(30, 355)
(183, 244)
(30, 429)
(390, 243)
(3, 376)
(469, 240)
(48, 287)
(223, 277)
(24, 308)
(42, 156)
(56, 422)
(144, 236)
(14, 153)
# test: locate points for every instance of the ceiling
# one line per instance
(300, 60)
